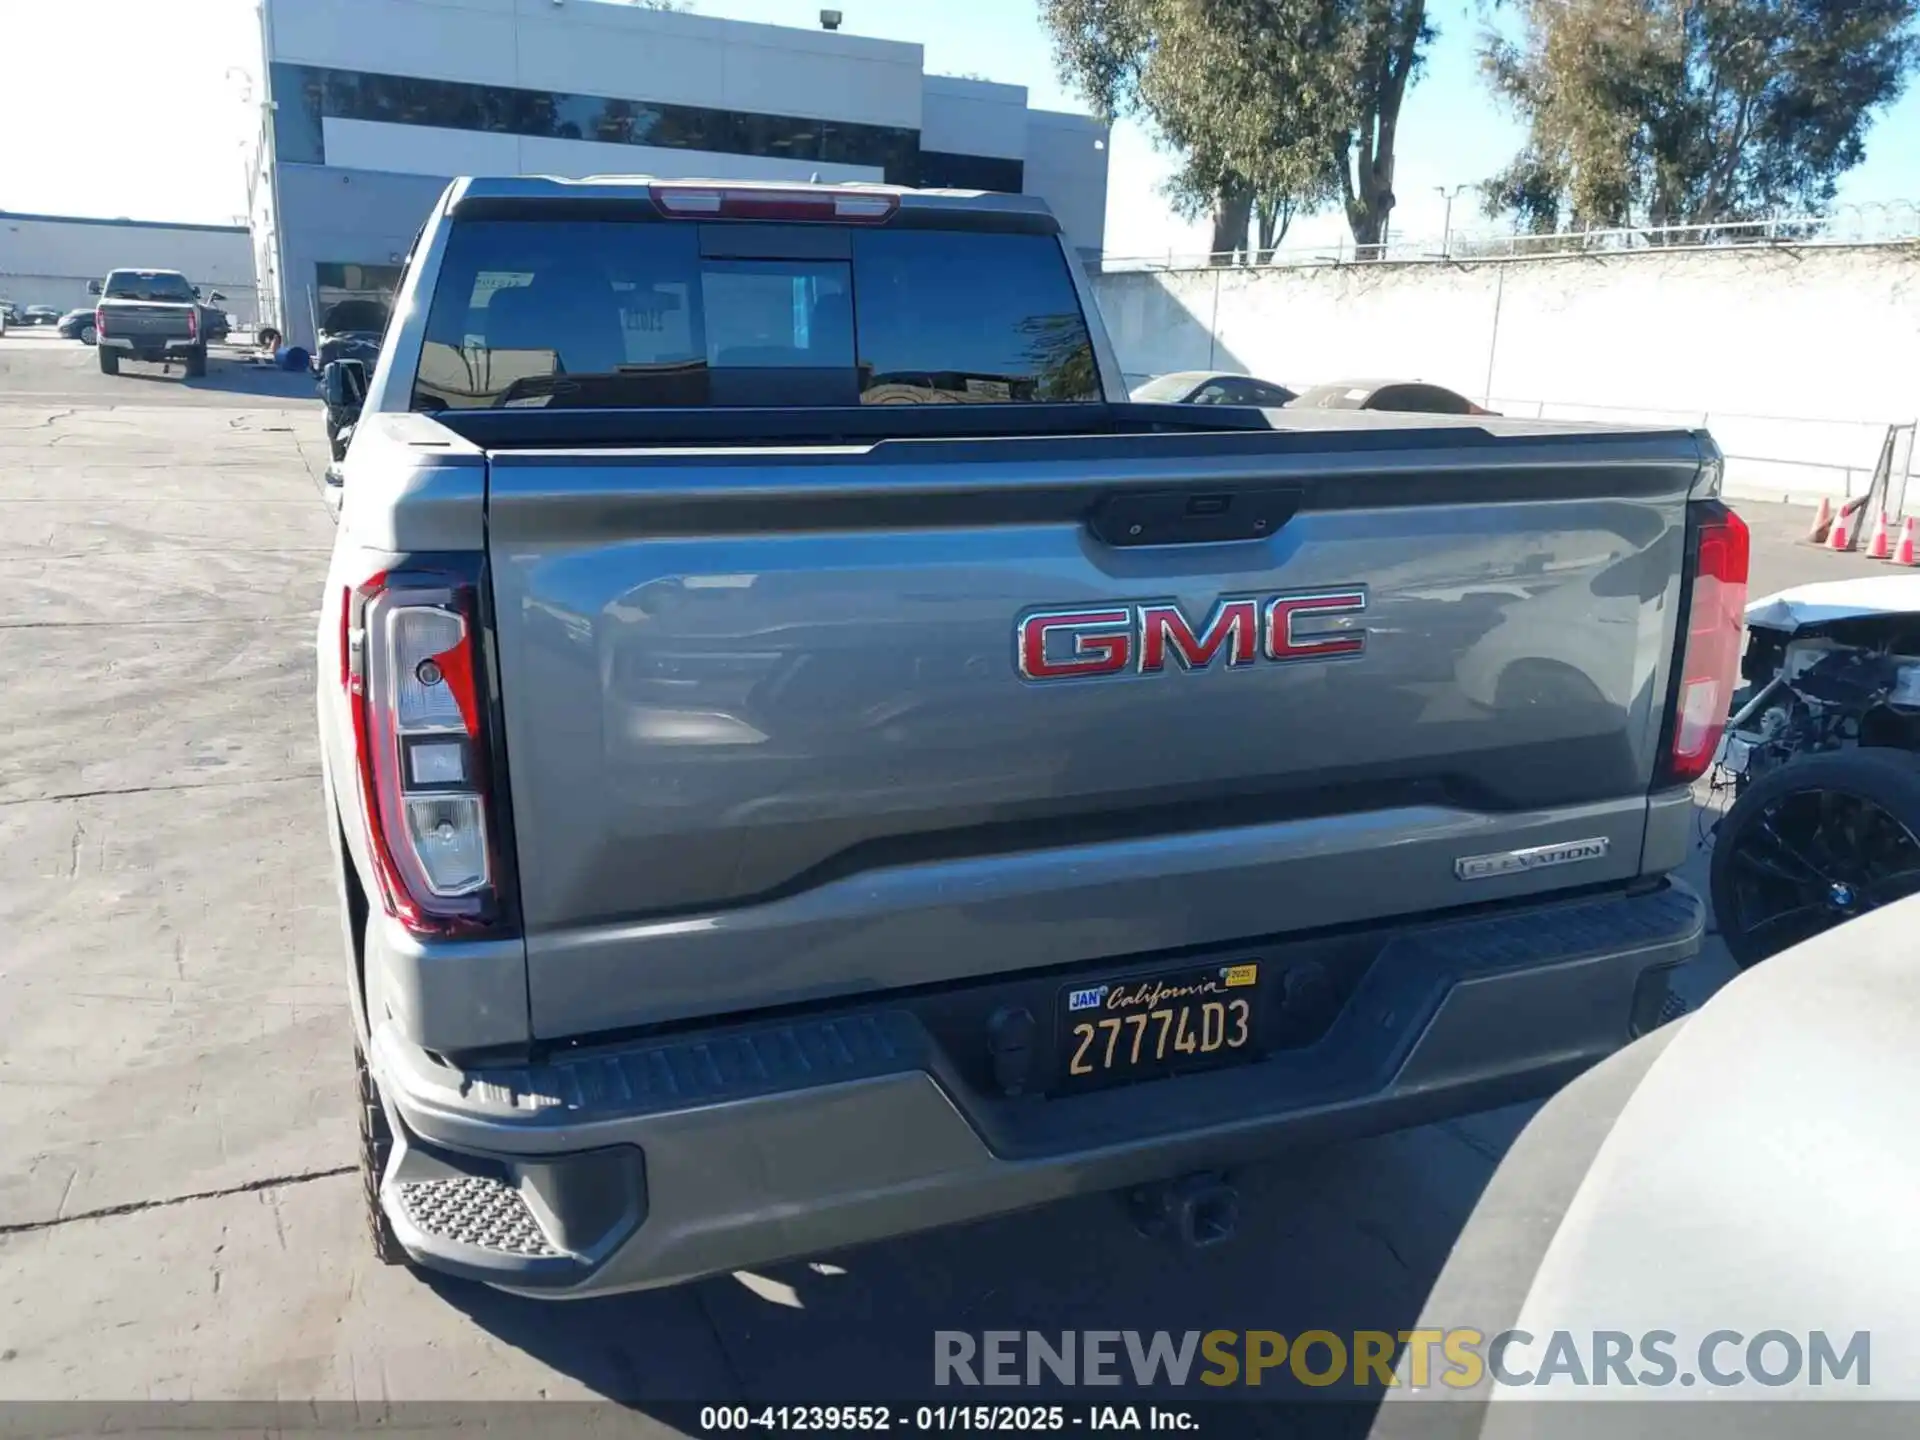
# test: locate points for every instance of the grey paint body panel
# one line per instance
(764, 752)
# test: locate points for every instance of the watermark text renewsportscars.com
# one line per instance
(1458, 1358)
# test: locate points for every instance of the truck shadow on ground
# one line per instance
(230, 376)
(1342, 1239)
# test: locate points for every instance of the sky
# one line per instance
(185, 160)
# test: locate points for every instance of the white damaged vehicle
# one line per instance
(1823, 753)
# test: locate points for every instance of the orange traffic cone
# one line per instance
(1903, 552)
(1837, 537)
(1881, 546)
(1822, 518)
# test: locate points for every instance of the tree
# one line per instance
(1287, 103)
(1687, 112)
(1388, 37)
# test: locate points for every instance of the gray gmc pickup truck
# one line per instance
(149, 315)
(809, 760)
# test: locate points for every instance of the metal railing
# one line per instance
(1894, 222)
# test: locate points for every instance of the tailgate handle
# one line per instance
(1184, 517)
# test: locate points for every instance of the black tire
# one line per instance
(88, 335)
(196, 366)
(109, 361)
(376, 1147)
(1799, 852)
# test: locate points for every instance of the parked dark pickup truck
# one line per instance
(149, 315)
(810, 760)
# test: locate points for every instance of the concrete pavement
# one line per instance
(174, 1052)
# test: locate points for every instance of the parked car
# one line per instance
(1659, 1217)
(39, 315)
(76, 325)
(148, 315)
(1823, 754)
(214, 324)
(765, 822)
(351, 330)
(1210, 387)
(1414, 395)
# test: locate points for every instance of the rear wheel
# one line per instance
(1813, 844)
(376, 1148)
(88, 335)
(197, 362)
(109, 361)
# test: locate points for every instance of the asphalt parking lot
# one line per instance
(178, 1216)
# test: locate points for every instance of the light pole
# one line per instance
(1448, 193)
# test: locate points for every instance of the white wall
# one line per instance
(49, 260)
(1798, 361)
(427, 150)
(591, 47)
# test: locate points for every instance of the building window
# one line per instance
(944, 170)
(305, 95)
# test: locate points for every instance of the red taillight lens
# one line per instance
(845, 207)
(1710, 654)
(99, 322)
(193, 324)
(412, 645)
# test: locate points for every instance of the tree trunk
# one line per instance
(1273, 217)
(1368, 186)
(1232, 213)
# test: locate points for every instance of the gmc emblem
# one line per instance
(1062, 644)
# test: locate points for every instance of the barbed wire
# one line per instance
(1890, 222)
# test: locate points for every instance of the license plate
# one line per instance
(1141, 1028)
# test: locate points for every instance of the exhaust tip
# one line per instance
(1197, 1211)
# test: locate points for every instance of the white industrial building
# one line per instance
(48, 259)
(372, 105)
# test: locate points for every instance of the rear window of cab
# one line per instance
(572, 314)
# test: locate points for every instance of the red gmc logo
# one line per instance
(1148, 635)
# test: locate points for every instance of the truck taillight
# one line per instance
(1710, 650)
(759, 202)
(413, 671)
(193, 323)
(99, 322)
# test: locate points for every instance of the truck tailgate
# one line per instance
(770, 738)
(128, 319)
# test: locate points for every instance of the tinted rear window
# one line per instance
(147, 285)
(608, 313)
(1427, 399)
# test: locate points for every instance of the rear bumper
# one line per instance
(141, 348)
(660, 1160)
